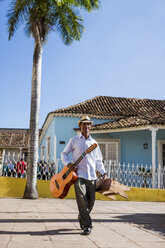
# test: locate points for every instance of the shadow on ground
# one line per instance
(154, 222)
(42, 233)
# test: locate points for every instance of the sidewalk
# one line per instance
(52, 223)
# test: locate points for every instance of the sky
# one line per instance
(121, 54)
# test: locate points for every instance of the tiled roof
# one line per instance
(14, 138)
(125, 112)
(111, 107)
(128, 122)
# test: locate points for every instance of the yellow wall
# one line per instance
(14, 187)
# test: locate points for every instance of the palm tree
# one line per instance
(40, 17)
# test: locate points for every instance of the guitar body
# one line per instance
(61, 182)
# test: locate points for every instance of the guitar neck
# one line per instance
(90, 149)
(80, 158)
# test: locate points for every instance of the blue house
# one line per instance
(128, 130)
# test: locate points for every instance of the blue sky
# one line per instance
(121, 54)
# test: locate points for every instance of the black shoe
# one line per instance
(86, 231)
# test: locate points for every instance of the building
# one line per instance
(13, 144)
(128, 130)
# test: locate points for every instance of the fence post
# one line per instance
(159, 176)
(118, 172)
(56, 170)
(109, 168)
(153, 134)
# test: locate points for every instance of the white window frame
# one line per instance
(42, 155)
(110, 141)
(160, 158)
(48, 142)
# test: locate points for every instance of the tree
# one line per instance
(39, 18)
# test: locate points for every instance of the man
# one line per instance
(21, 168)
(11, 166)
(86, 171)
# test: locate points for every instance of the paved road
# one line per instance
(52, 223)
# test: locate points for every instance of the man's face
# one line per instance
(85, 128)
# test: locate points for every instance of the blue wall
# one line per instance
(64, 131)
(161, 134)
(131, 145)
(49, 133)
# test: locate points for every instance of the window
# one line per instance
(163, 155)
(48, 149)
(110, 150)
(161, 161)
(42, 155)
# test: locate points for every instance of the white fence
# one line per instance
(131, 175)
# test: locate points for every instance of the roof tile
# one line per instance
(14, 137)
(107, 107)
(126, 112)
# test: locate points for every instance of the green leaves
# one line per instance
(68, 24)
(16, 14)
(41, 16)
(88, 5)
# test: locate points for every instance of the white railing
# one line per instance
(132, 175)
(136, 175)
(128, 174)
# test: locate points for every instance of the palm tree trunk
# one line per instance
(31, 183)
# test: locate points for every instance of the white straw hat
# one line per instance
(85, 118)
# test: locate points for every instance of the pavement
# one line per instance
(52, 223)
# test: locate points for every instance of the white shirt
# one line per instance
(91, 163)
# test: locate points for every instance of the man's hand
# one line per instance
(71, 166)
(105, 176)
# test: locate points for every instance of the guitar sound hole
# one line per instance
(57, 185)
(66, 174)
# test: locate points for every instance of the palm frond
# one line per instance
(16, 14)
(41, 16)
(68, 24)
(88, 5)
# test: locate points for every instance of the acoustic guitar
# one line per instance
(60, 183)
